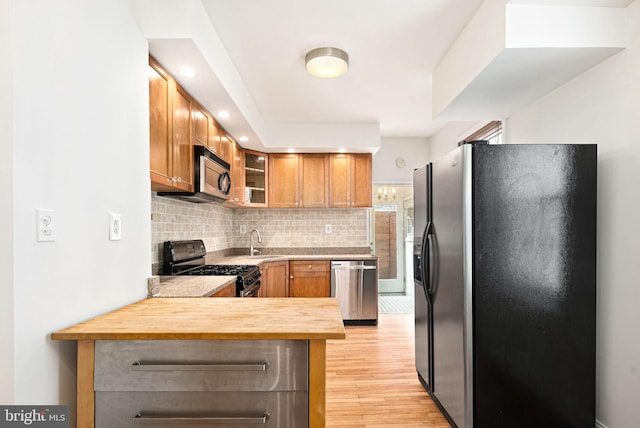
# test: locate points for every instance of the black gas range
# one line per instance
(188, 258)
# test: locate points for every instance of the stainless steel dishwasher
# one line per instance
(355, 284)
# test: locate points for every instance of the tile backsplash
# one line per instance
(173, 220)
(219, 227)
(303, 227)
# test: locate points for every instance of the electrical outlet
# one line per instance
(327, 228)
(45, 225)
(243, 229)
(115, 227)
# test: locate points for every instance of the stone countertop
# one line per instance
(189, 286)
(206, 286)
(259, 259)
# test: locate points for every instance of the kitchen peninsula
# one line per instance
(299, 327)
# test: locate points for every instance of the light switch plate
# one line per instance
(327, 228)
(45, 225)
(115, 227)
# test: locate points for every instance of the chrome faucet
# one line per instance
(251, 249)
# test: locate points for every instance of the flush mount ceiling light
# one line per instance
(327, 63)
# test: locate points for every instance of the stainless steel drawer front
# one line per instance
(201, 365)
(214, 409)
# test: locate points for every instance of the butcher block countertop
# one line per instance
(187, 318)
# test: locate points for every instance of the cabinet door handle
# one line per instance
(174, 419)
(141, 366)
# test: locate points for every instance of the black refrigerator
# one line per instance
(505, 284)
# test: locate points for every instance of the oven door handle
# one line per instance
(251, 291)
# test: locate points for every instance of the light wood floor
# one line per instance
(372, 381)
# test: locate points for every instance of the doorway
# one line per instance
(392, 229)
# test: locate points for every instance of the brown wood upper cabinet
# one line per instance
(350, 180)
(298, 180)
(310, 278)
(236, 196)
(226, 147)
(171, 144)
(213, 138)
(177, 122)
(206, 132)
(283, 180)
(182, 141)
(200, 119)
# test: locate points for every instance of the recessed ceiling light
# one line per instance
(244, 138)
(290, 151)
(342, 150)
(188, 72)
(224, 114)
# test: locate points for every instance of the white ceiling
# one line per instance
(394, 47)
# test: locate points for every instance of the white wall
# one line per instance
(80, 143)
(603, 106)
(448, 138)
(6, 204)
(414, 151)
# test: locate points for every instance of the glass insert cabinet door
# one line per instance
(255, 176)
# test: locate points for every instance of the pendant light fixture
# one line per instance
(327, 63)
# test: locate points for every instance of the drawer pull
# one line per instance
(171, 419)
(141, 366)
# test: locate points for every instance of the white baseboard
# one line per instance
(600, 424)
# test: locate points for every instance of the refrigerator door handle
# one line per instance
(432, 262)
(425, 265)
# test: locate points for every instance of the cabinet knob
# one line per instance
(291, 277)
(309, 266)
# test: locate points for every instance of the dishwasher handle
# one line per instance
(356, 267)
(353, 265)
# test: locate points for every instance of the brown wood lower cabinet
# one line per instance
(310, 278)
(275, 279)
(228, 291)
